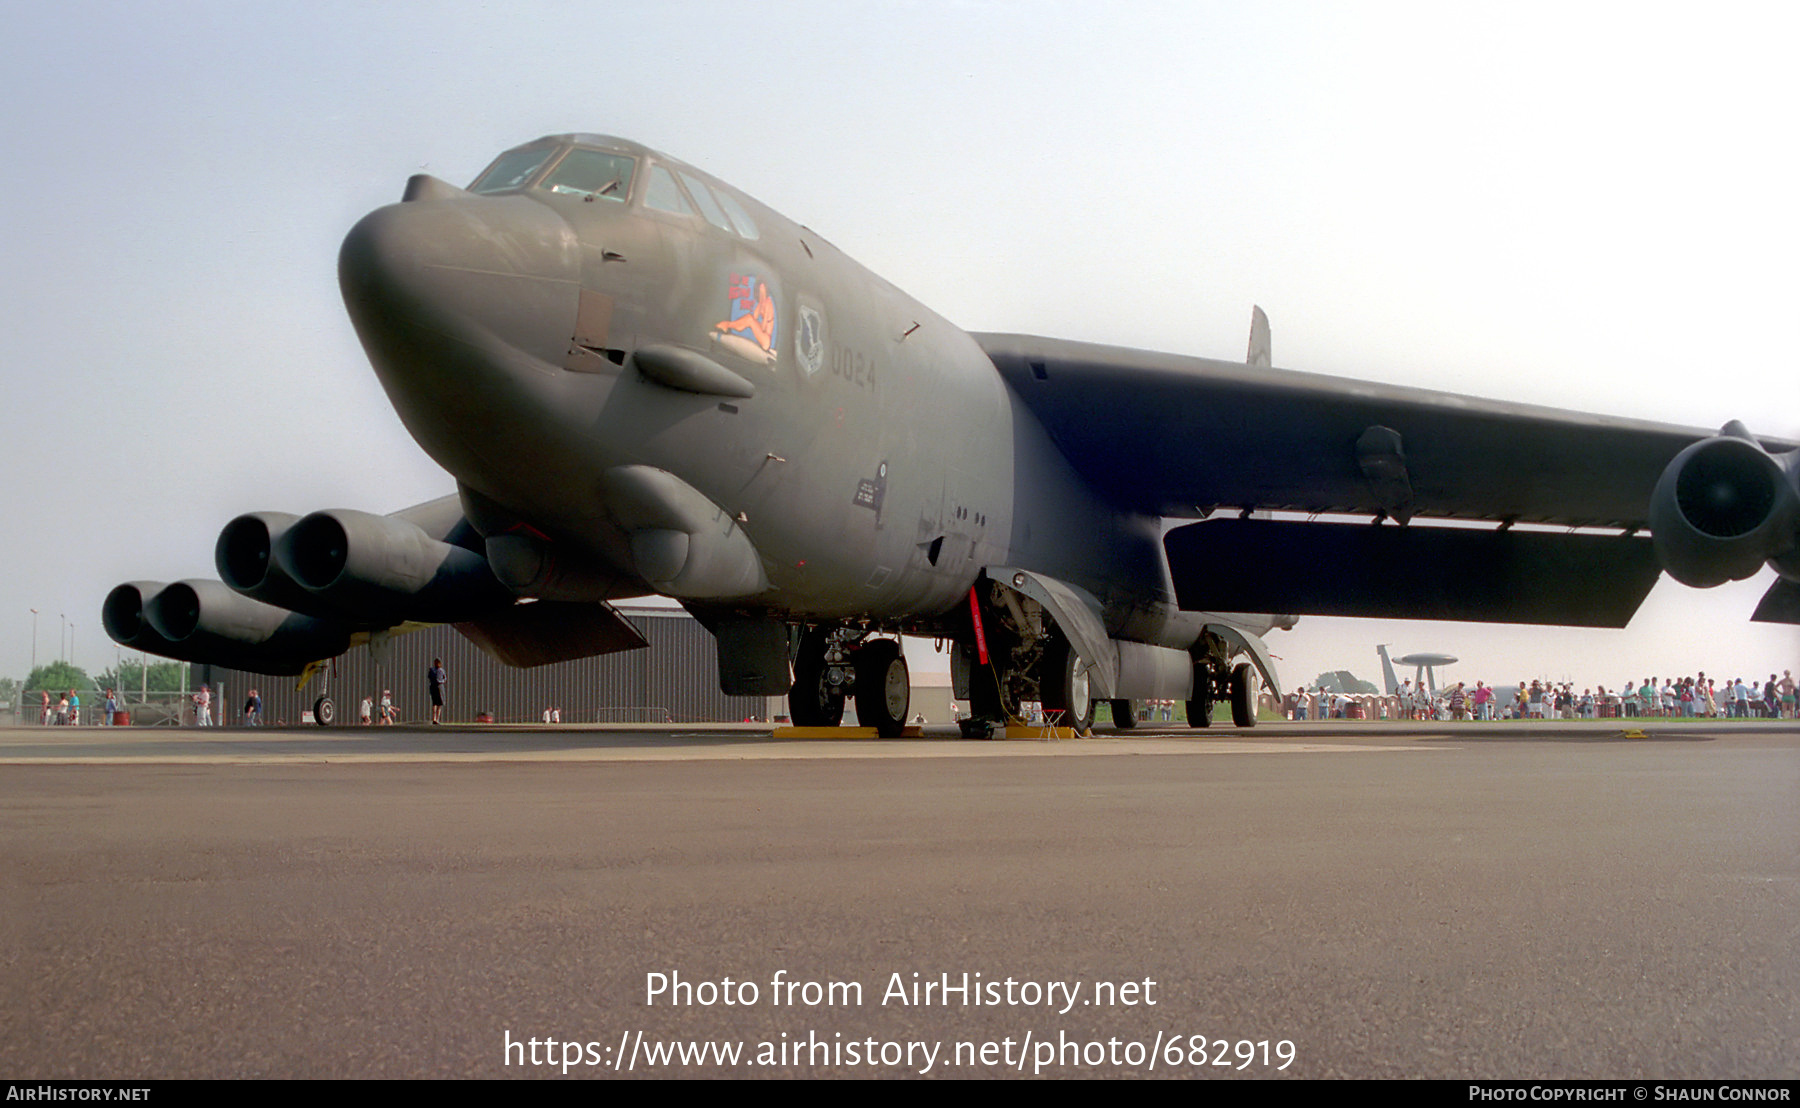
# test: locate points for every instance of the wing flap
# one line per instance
(1781, 604)
(548, 631)
(1338, 569)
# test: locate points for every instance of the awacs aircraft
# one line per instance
(645, 382)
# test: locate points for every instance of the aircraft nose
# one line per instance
(467, 268)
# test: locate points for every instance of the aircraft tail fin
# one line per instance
(1387, 670)
(1259, 354)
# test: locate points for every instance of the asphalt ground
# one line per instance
(1524, 900)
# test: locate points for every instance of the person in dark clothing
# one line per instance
(435, 677)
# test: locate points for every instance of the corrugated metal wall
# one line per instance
(678, 675)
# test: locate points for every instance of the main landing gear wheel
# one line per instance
(883, 687)
(1124, 714)
(1199, 709)
(815, 701)
(324, 711)
(1243, 695)
(1065, 687)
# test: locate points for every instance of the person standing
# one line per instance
(203, 707)
(48, 711)
(253, 710)
(110, 709)
(435, 677)
(74, 708)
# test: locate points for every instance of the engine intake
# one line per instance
(204, 621)
(1724, 507)
(245, 557)
(123, 617)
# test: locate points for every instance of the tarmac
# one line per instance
(1518, 900)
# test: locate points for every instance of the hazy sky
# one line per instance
(1589, 207)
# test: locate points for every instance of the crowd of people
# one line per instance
(1696, 697)
(66, 711)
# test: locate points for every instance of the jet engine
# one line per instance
(385, 568)
(123, 617)
(245, 557)
(1724, 507)
(204, 621)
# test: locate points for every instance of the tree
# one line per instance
(58, 676)
(163, 677)
(9, 690)
(1343, 681)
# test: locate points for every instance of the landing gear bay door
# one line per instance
(1078, 613)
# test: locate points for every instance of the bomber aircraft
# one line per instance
(646, 382)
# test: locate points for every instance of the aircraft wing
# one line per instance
(1187, 437)
(1179, 436)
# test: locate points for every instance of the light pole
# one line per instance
(34, 640)
(62, 638)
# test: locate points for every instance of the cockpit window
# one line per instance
(512, 169)
(664, 194)
(591, 173)
(745, 225)
(703, 196)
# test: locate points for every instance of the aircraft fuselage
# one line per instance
(549, 345)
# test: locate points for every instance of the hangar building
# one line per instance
(676, 679)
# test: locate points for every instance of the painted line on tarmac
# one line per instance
(687, 750)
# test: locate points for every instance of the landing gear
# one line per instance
(324, 712)
(1243, 695)
(883, 687)
(817, 698)
(1200, 707)
(1065, 685)
(1124, 713)
(1212, 682)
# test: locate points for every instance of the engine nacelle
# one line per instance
(123, 617)
(245, 558)
(1724, 507)
(204, 621)
(384, 569)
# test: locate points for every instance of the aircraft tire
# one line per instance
(1124, 713)
(813, 702)
(1243, 695)
(1065, 686)
(324, 711)
(1199, 709)
(883, 687)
